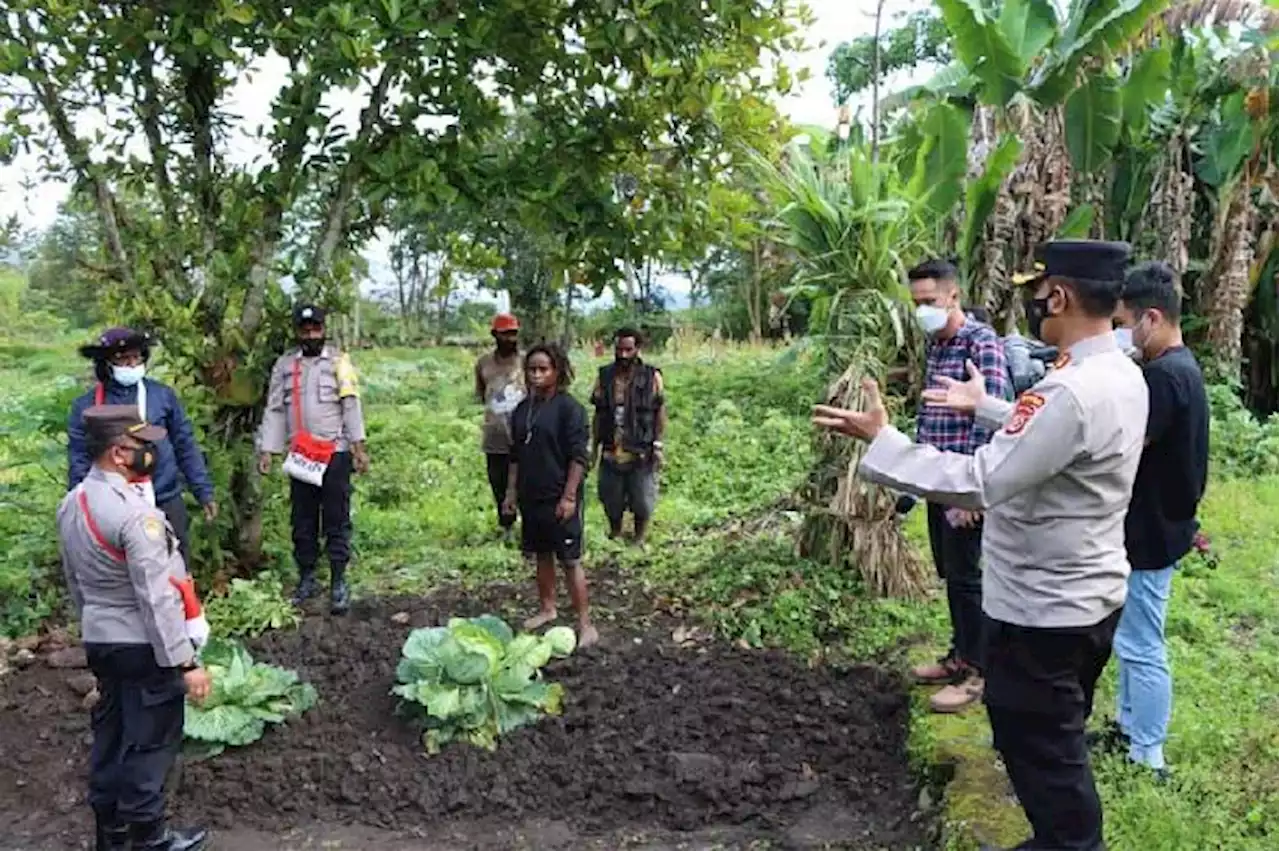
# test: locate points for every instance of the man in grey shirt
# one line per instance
(1055, 483)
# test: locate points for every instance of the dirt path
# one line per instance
(661, 746)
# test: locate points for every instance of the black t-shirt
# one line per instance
(1161, 523)
(546, 435)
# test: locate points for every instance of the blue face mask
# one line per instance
(128, 376)
(932, 319)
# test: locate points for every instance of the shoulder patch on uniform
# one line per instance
(152, 528)
(1023, 411)
(348, 380)
(1063, 360)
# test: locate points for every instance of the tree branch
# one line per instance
(77, 154)
(301, 99)
(335, 217)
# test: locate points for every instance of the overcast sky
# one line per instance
(811, 103)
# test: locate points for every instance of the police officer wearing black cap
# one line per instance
(125, 576)
(314, 418)
(120, 357)
(1054, 483)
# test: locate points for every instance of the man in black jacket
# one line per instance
(1161, 523)
(630, 419)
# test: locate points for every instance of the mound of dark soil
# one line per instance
(653, 735)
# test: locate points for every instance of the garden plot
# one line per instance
(659, 743)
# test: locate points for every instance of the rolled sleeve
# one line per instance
(987, 353)
(160, 604)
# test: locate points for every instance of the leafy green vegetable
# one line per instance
(246, 696)
(475, 680)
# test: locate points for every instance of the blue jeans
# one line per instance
(1145, 696)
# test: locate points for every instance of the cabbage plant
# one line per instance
(475, 680)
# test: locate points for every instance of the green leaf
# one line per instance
(529, 650)
(562, 641)
(1226, 143)
(1092, 118)
(981, 44)
(1077, 223)
(981, 194)
(1029, 25)
(1146, 85)
(496, 627)
(941, 163)
(423, 645)
(1094, 28)
(241, 14)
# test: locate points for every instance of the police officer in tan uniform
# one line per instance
(1055, 483)
(124, 571)
(314, 400)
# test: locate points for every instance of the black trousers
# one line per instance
(137, 731)
(499, 474)
(176, 510)
(1039, 692)
(957, 556)
(324, 509)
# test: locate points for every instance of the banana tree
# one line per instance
(854, 229)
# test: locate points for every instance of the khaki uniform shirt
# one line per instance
(1054, 482)
(330, 402)
(503, 388)
(118, 558)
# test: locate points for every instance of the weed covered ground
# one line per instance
(721, 558)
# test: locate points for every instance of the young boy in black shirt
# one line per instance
(1161, 522)
(549, 457)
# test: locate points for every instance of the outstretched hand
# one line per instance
(864, 425)
(959, 396)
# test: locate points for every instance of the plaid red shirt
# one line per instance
(948, 430)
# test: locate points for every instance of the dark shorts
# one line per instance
(542, 533)
(632, 488)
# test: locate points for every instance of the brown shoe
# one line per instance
(954, 698)
(944, 670)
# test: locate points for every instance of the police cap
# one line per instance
(106, 424)
(115, 340)
(1086, 260)
(308, 314)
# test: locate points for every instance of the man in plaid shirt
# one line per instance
(956, 345)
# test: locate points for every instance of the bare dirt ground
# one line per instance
(662, 746)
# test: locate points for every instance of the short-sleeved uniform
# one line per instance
(547, 437)
(331, 410)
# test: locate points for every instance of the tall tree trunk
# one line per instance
(1228, 293)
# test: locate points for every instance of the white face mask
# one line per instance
(128, 375)
(1124, 338)
(932, 319)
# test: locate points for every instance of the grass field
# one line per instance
(721, 551)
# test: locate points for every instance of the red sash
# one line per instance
(304, 442)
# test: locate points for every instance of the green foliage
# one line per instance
(1240, 445)
(920, 37)
(251, 607)
(246, 696)
(1092, 119)
(475, 680)
(981, 194)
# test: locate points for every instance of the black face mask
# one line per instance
(311, 347)
(1037, 310)
(143, 463)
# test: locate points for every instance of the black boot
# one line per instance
(306, 587)
(157, 836)
(111, 834)
(339, 596)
